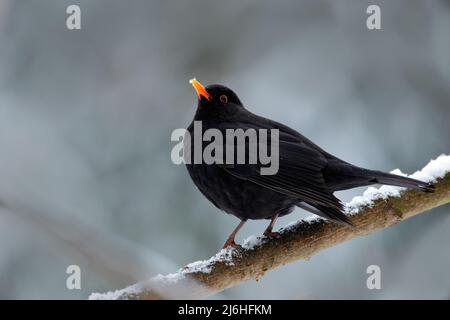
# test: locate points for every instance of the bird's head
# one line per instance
(215, 96)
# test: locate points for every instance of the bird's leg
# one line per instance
(230, 240)
(268, 232)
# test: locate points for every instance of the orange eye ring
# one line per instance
(224, 99)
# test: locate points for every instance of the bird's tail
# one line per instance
(363, 177)
(342, 176)
(399, 181)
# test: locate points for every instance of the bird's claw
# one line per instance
(271, 234)
(231, 244)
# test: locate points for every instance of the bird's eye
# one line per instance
(224, 99)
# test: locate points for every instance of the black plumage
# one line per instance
(307, 176)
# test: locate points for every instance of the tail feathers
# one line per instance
(330, 213)
(400, 181)
(340, 175)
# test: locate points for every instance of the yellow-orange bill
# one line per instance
(200, 89)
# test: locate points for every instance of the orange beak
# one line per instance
(200, 89)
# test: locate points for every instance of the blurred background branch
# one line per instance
(105, 254)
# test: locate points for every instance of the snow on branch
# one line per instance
(376, 209)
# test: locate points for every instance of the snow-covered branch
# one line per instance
(376, 209)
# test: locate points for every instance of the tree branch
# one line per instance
(376, 209)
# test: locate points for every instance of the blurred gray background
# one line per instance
(86, 117)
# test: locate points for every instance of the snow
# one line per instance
(117, 294)
(252, 242)
(291, 225)
(225, 255)
(433, 170)
(155, 282)
(369, 196)
(204, 266)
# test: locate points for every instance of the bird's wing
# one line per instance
(299, 174)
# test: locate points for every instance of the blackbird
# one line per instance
(307, 175)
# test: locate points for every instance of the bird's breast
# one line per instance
(241, 198)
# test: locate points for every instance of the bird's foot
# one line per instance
(231, 243)
(271, 234)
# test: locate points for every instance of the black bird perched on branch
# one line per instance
(307, 175)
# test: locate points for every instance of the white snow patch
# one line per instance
(369, 196)
(137, 288)
(156, 283)
(168, 278)
(291, 225)
(115, 295)
(313, 218)
(224, 255)
(198, 266)
(205, 266)
(252, 242)
(434, 169)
